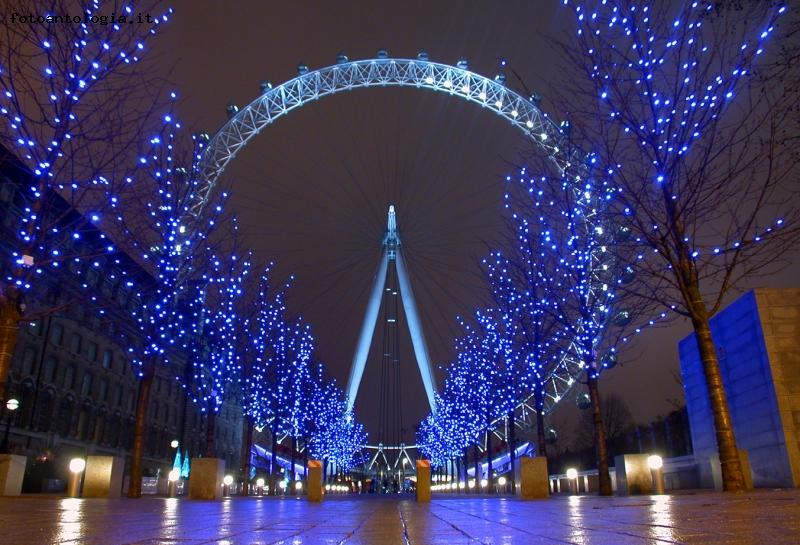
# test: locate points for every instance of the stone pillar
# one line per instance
(103, 476)
(205, 480)
(316, 488)
(12, 470)
(633, 474)
(423, 480)
(532, 479)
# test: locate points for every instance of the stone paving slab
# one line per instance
(762, 517)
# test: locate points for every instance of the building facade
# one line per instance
(74, 380)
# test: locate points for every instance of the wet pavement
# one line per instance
(763, 517)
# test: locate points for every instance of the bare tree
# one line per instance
(617, 419)
(700, 151)
(75, 98)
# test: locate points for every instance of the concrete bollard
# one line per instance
(532, 479)
(205, 480)
(103, 476)
(423, 480)
(12, 470)
(316, 489)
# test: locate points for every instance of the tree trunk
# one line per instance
(305, 458)
(140, 426)
(273, 464)
(512, 450)
(477, 462)
(604, 479)
(211, 425)
(489, 477)
(292, 473)
(246, 448)
(541, 438)
(9, 327)
(732, 475)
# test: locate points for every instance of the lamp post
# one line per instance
(656, 463)
(76, 467)
(11, 406)
(172, 486)
(226, 485)
(572, 476)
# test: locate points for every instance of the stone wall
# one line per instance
(758, 344)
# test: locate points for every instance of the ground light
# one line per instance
(226, 485)
(656, 464)
(76, 467)
(572, 475)
(172, 479)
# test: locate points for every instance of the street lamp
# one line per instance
(227, 482)
(11, 406)
(174, 443)
(173, 477)
(572, 475)
(260, 486)
(76, 467)
(656, 463)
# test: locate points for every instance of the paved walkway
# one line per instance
(765, 517)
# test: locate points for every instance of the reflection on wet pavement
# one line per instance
(763, 517)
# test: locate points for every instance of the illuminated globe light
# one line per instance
(228, 480)
(283, 485)
(655, 462)
(462, 485)
(572, 473)
(77, 465)
(471, 483)
(12, 404)
(174, 475)
(298, 485)
(501, 481)
(174, 443)
(328, 487)
(260, 483)
(484, 483)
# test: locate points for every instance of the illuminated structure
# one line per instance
(392, 256)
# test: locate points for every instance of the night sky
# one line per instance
(312, 190)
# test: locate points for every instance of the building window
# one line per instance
(103, 391)
(28, 360)
(86, 384)
(65, 417)
(91, 352)
(75, 342)
(117, 399)
(57, 334)
(108, 358)
(69, 377)
(49, 371)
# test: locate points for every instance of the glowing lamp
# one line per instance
(501, 481)
(655, 462)
(77, 465)
(228, 480)
(174, 475)
(572, 473)
(260, 483)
